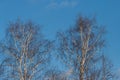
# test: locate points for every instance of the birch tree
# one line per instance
(25, 51)
(79, 45)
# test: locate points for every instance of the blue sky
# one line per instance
(56, 15)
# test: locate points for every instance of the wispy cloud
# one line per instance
(62, 4)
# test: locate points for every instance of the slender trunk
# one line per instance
(82, 65)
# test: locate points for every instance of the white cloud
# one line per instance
(52, 5)
(62, 4)
(68, 4)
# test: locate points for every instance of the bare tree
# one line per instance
(106, 69)
(102, 69)
(25, 51)
(79, 46)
